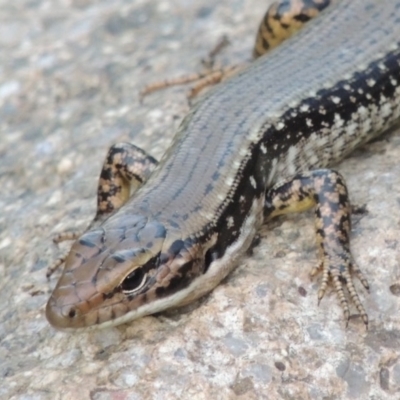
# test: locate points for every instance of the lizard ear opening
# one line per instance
(210, 256)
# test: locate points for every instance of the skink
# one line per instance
(254, 147)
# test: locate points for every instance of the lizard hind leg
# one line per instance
(283, 19)
(326, 190)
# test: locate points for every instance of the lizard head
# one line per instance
(115, 274)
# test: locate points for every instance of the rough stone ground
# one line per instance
(70, 71)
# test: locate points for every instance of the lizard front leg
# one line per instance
(326, 190)
(125, 168)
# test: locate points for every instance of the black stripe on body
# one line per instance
(350, 101)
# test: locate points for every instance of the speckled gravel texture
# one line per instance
(70, 72)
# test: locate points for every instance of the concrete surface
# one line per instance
(70, 72)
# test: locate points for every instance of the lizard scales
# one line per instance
(303, 106)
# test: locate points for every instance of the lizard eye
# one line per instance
(134, 281)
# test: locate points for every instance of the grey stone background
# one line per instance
(70, 72)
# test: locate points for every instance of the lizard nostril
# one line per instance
(61, 317)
